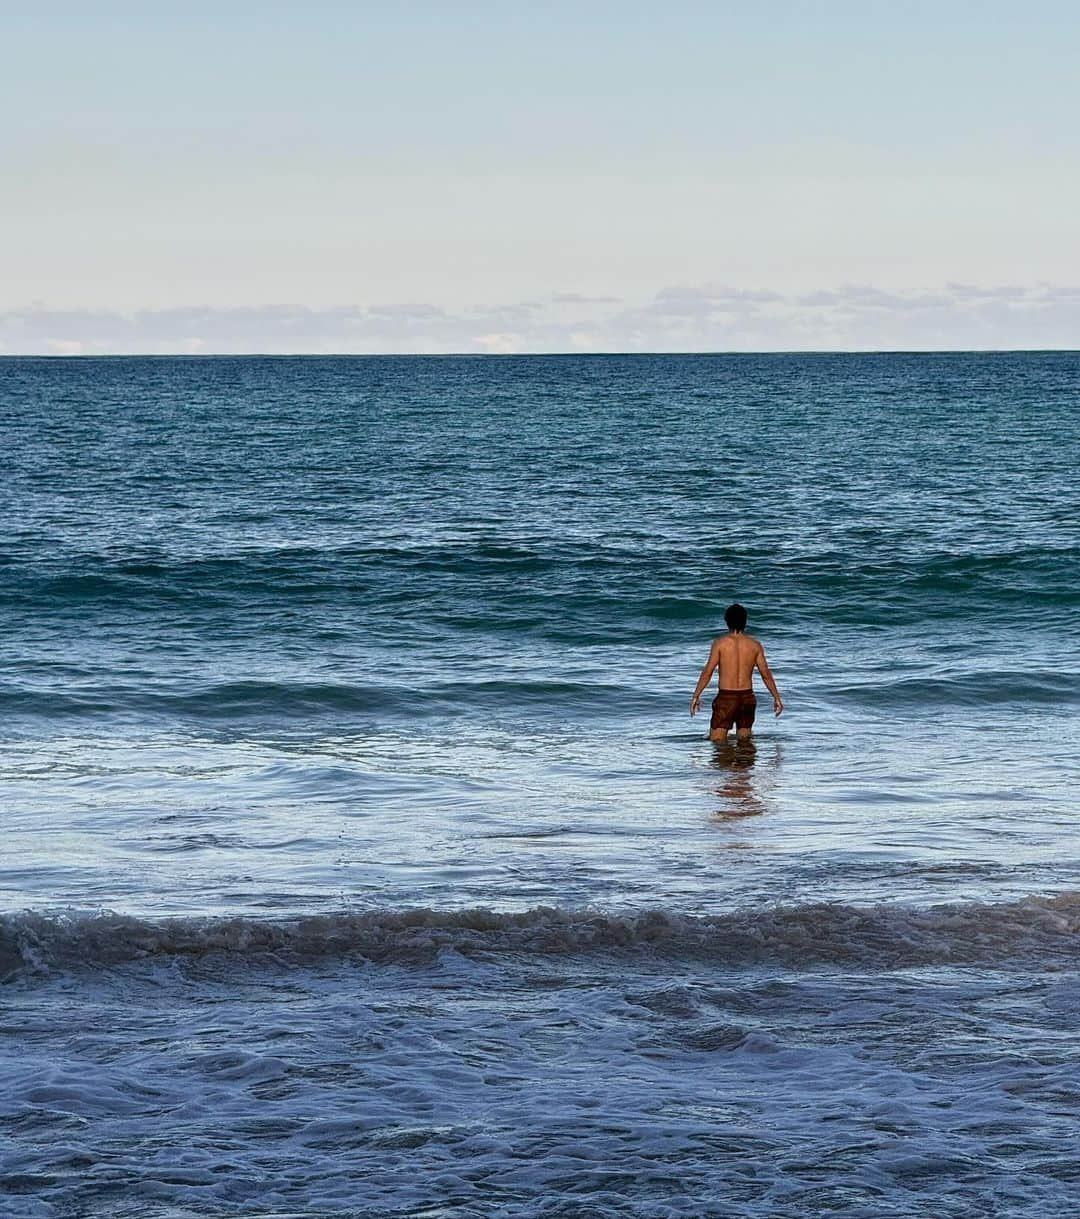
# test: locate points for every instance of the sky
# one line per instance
(474, 176)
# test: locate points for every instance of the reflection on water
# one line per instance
(747, 775)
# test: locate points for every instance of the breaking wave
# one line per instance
(1045, 928)
(307, 700)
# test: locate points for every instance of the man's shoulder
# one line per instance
(731, 641)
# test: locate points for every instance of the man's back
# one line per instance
(736, 656)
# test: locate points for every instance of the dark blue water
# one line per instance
(293, 647)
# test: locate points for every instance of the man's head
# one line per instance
(735, 617)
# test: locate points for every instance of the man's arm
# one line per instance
(769, 680)
(706, 673)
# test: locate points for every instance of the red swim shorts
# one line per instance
(733, 706)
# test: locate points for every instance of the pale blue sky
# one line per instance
(424, 176)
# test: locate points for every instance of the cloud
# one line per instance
(499, 344)
(577, 298)
(719, 295)
(686, 317)
(409, 313)
(819, 298)
(708, 301)
(971, 292)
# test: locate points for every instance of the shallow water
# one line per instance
(294, 647)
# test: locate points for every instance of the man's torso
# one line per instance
(735, 664)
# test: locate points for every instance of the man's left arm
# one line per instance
(706, 673)
(769, 680)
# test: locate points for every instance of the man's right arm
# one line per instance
(706, 673)
(769, 680)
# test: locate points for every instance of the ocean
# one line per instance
(360, 857)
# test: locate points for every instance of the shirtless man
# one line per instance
(735, 655)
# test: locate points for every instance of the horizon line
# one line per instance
(516, 355)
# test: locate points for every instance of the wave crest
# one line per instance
(826, 933)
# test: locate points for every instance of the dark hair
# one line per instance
(735, 617)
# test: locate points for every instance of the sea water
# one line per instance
(360, 857)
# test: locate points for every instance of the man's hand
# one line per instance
(778, 704)
(695, 704)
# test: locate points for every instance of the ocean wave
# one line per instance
(1033, 929)
(306, 699)
(223, 700)
(653, 565)
(1016, 688)
(303, 570)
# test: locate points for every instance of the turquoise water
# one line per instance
(306, 661)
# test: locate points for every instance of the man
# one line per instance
(735, 656)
